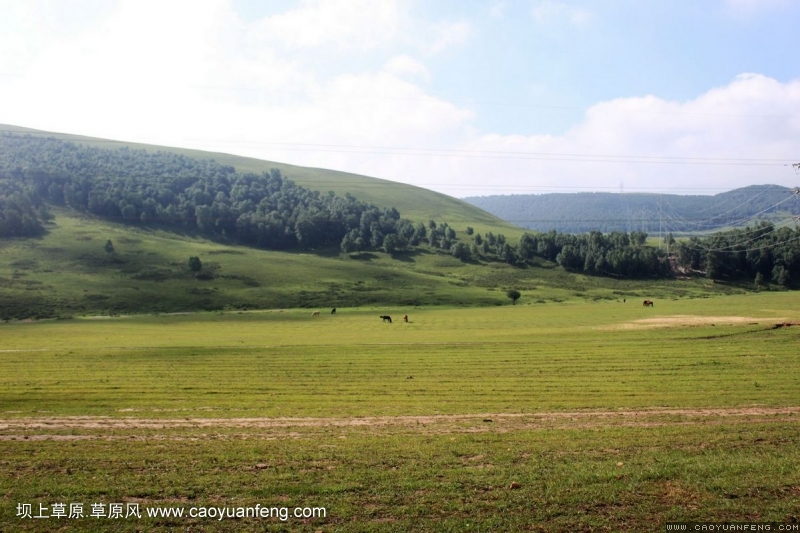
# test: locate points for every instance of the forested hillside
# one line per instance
(171, 190)
(415, 203)
(651, 213)
(263, 210)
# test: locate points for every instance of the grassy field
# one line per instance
(68, 273)
(577, 416)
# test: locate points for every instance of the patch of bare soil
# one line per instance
(695, 320)
(85, 427)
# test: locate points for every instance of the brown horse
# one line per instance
(405, 318)
(647, 303)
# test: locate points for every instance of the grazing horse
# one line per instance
(647, 303)
(386, 318)
(315, 313)
(405, 318)
(333, 311)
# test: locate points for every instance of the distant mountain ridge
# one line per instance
(651, 213)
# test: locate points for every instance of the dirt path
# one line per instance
(88, 427)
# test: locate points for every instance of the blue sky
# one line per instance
(468, 98)
(675, 50)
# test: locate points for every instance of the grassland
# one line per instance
(68, 273)
(571, 411)
(606, 416)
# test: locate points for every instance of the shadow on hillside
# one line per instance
(409, 255)
(363, 256)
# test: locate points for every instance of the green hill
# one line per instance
(414, 203)
(67, 272)
(68, 269)
(651, 213)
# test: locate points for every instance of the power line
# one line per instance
(710, 208)
(461, 153)
(745, 219)
(732, 249)
(504, 152)
(604, 220)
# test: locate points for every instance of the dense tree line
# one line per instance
(761, 252)
(135, 186)
(618, 254)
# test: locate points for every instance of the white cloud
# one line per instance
(446, 34)
(137, 72)
(176, 70)
(405, 65)
(27, 28)
(498, 9)
(346, 24)
(729, 137)
(358, 25)
(553, 11)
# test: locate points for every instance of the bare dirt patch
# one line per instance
(695, 320)
(86, 427)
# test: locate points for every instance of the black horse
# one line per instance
(386, 318)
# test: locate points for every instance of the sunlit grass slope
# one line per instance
(67, 272)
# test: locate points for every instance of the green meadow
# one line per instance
(574, 416)
(68, 273)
